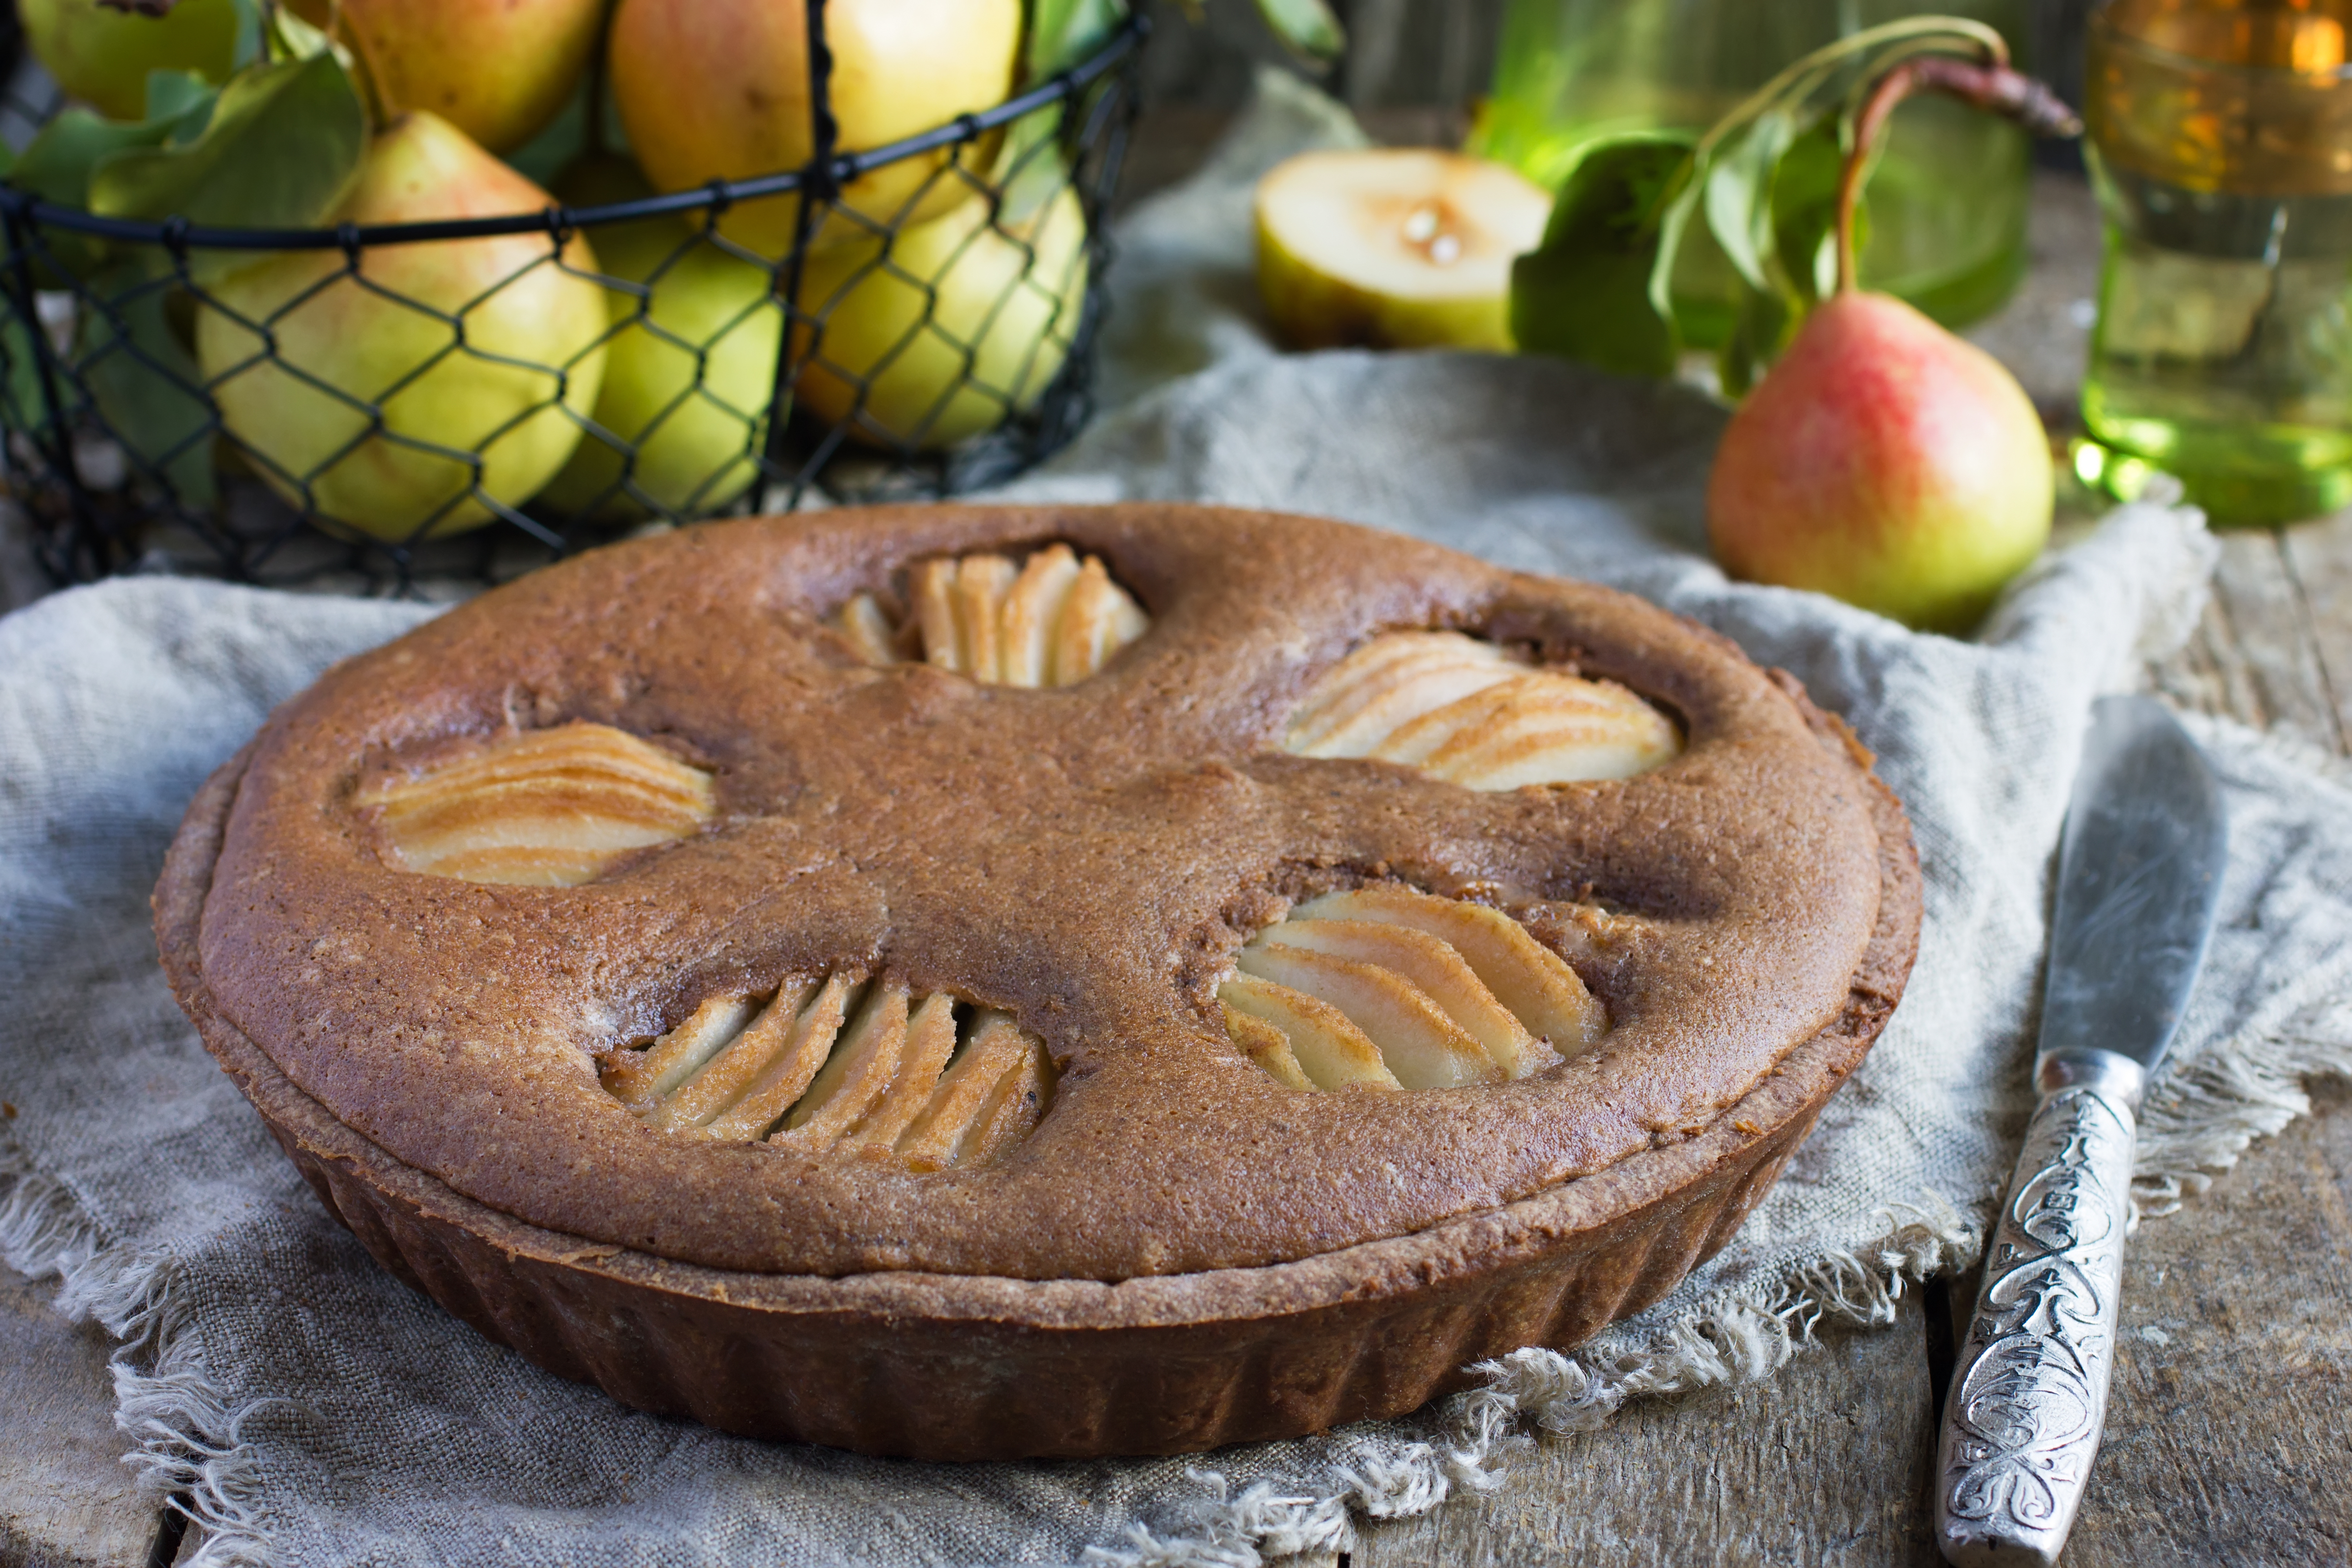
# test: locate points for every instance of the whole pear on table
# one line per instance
(101, 55)
(691, 372)
(946, 329)
(296, 351)
(720, 89)
(497, 69)
(1887, 462)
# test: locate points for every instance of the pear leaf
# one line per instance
(175, 96)
(1307, 28)
(249, 41)
(149, 391)
(1739, 193)
(282, 150)
(1804, 210)
(1585, 292)
(57, 165)
(1064, 32)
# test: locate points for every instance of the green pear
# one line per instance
(1393, 248)
(954, 325)
(720, 89)
(497, 69)
(690, 372)
(102, 55)
(1887, 462)
(480, 357)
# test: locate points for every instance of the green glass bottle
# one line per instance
(1947, 202)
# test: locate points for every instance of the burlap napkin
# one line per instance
(312, 1410)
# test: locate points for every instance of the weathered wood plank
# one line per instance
(69, 1500)
(1826, 1465)
(2319, 559)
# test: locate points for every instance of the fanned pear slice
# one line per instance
(1543, 727)
(1393, 248)
(546, 808)
(1429, 964)
(639, 1078)
(1534, 983)
(1330, 1049)
(807, 1040)
(1010, 1112)
(1098, 620)
(961, 1102)
(869, 629)
(1465, 712)
(858, 1072)
(982, 582)
(1033, 613)
(1421, 1046)
(1266, 1045)
(1053, 621)
(723, 1077)
(930, 1041)
(1389, 681)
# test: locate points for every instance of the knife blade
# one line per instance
(2139, 876)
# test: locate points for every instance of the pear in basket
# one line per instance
(720, 89)
(690, 369)
(446, 375)
(953, 326)
(497, 69)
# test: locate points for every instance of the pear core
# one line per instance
(1393, 248)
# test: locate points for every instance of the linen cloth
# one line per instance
(312, 1410)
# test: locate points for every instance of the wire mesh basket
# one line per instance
(904, 322)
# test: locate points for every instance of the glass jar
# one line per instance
(1946, 203)
(2221, 145)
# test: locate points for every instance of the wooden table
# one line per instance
(2232, 1418)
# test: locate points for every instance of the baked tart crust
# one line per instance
(1742, 917)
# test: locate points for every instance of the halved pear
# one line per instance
(1433, 967)
(1393, 248)
(1332, 1052)
(1421, 1046)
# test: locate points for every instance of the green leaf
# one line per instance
(1307, 28)
(1804, 210)
(1585, 292)
(1064, 32)
(143, 378)
(176, 96)
(57, 166)
(1739, 193)
(281, 150)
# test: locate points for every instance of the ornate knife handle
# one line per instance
(2029, 1395)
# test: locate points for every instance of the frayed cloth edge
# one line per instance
(184, 1430)
(1730, 1341)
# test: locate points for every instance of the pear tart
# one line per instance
(992, 980)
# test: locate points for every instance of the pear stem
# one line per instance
(1992, 86)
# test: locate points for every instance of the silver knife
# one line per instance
(2139, 876)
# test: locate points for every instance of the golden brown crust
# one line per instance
(1093, 887)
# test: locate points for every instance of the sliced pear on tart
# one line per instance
(846, 1067)
(546, 807)
(1052, 620)
(1463, 709)
(1433, 993)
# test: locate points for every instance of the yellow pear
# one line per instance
(720, 89)
(101, 55)
(691, 372)
(478, 354)
(1393, 248)
(497, 69)
(947, 330)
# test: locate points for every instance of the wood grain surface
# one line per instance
(2232, 1412)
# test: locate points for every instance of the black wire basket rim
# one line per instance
(824, 176)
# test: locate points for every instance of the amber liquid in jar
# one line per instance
(2220, 144)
